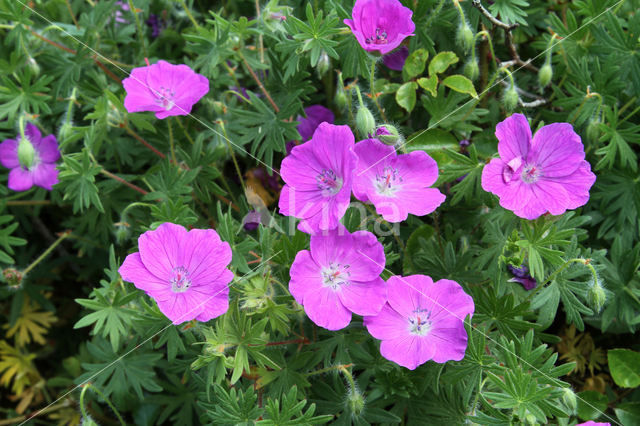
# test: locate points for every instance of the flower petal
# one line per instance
(388, 324)
(557, 149)
(48, 149)
(514, 137)
(45, 175)
(20, 179)
(159, 249)
(364, 298)
(305, 276)
(134, 271)
(324, 308)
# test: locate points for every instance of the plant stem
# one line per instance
(184, 130)
(28, 202)
(101, 395)
(62, 236)
(73, 17)
(233, 156)
(145, 143)
(327, 369)
(188, 12)
(257, 80)
(374, 96)
(124, 182)
(139, 27)
(585, 262)
(173, 151)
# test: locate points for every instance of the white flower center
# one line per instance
(165, 97)
(419, 323)
(531, 173)
(180, 281)
(335, 275)
(388, 182)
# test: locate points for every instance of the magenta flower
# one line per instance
(592, 423)
(318, 176)
(545, 174)
(316, 114)
(32, 160)
(395, 60)
(396, 184)
(380, 24)
(184, 272)
(340, 275)
(164, 88)
(422, 321)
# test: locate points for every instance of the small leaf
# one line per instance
(406, 95)
(429, 84)
(461, 84)
(624, 365)
(628, 413)
(415, 64)
(441, 62)
(591, 404)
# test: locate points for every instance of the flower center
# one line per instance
(379, 38)
(388, 182)
(530, 174)
(180, 281)
(335, 275)
(165, 97)
(419, 323)
(328, 182)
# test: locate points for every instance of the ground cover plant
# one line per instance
(274, 212)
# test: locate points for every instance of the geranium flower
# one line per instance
(396, 184)
(422, 321)
(316, 114)
(184, 272)
(592, 423)
(164, 88)
(340, 275)
(521, 275)
(31, 159)
(318, 176)
(380, 24)
(396, 59)
(545, 174)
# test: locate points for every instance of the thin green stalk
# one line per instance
(233, 156)
(349, 377)
(101, 395)
(372, 89)
(188, 12)
(139, 27)
(46, 252)
(340, 367)
(184, 130)
(434, 13)
(585, 262)
(173, 151)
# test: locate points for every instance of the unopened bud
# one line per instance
(510, 98)
(545, 74)
(530, 419)
(355, 401)
(471, 70)
(596, 296)
(26, 152)
(13, 277)
(323, 64)
(569, 398)
(341, 98)
(219, 108)
(465, 36)
(88, 421)
(593, 129)
(364, 121)
(33, 66)
(122, 232)
(388, 135)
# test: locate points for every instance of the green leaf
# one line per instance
(406, 95)
(414, 64)
(431, 140)
(628, 413)
(7, 240)
(441, 62)
(591, 404)
(624, 365)
(461, 84)
(429, 84)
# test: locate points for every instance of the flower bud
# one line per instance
(569, 398)
(364, 121)
(323, 64)
(26, 153)
(388, 135)
(593, 129)
(33, 66)
(545, 74)
(122, 232)
(88, 421)
(465, 36)
(471, 69)
(530, 419)
(341, 98)
(510, 98)
(355, 401)
(596, 297)
(13, 277)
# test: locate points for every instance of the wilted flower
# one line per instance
(521, 275)
(315, 114)
(396, 184)
(545, 174)
(340, 275)
(380, 24)
(318, 177)
(184, 272)
(164, 88)
(422, 321)
(395, 60)
(31, 158)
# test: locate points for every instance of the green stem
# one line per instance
(64, 235)
(359, 97)
(22, 125)
(488, 36)
(374, 96)
(188, 12)
(184, 130)
(132, 205)
(585, 262)
(28, 202)
(349, 377)
(340, 367)
(139, 27)
(434, 13)
(101, 395)
(233, 156)
(173, 151)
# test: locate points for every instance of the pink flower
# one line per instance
(422, 321)
(185, 272)
(164, 88)
(315, 114)
(592, 423)
(318, 176)
(32, 160)
(396, 184)
(340, 275)
(380, 24)
(546, 174)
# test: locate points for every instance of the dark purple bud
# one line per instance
(395, 60)
(521, 275)
(461, 178)
(464, 143)
(528, 283)
(251, 220)
(520, 272)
